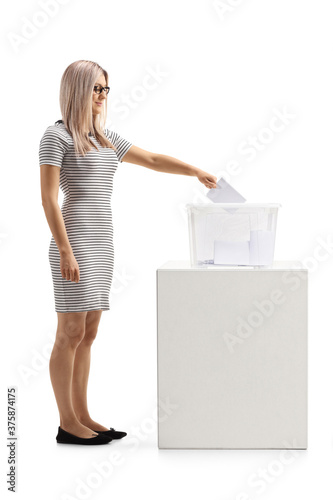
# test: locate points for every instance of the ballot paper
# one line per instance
(231, 252)
(224, 193)
(261, 247)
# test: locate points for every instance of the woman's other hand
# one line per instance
(69, 267)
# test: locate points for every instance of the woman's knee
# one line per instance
(90, 334)
(91, 326)
(70, 332)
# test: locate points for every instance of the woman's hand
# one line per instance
(69, 267)
(207, 179)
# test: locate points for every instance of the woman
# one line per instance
(81, 156)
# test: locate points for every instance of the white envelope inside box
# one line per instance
(231, 252)
(261, 247)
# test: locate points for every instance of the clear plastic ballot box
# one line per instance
(232, 234)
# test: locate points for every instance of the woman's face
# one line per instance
(98, 99)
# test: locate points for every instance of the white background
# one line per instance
(223, 72)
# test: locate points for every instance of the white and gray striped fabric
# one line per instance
(87, 184)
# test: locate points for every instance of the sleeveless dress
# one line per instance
(87, 184)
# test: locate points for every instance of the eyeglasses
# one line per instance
(98, 89)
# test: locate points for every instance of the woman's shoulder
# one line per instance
(111, 135)
(59, 126)
(58, 130)
(56, 136)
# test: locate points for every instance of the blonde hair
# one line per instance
(76, 88)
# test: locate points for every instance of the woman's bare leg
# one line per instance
(81, 372)
(70, 331)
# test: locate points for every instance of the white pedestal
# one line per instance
(232, 356)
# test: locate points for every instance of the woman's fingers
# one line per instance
(70, 274)
(70, 270)
(77, 274)
(208, 180)
(66, 273)
(210, 184)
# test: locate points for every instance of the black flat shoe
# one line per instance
(68, 438)
(112, 433)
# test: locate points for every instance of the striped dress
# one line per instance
(87, 184)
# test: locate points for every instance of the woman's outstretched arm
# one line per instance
(168, 164)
